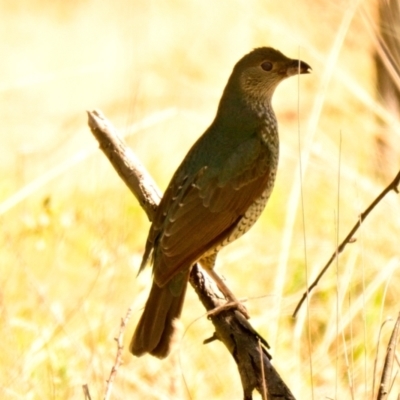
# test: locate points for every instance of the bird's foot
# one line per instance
(237, 304)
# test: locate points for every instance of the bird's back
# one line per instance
(225, 172)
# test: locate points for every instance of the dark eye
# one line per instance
(266, 66)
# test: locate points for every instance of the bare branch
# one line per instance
(394, 185)
(125, 162)
(118, 356)
(86, 392)
(378, 342)
(231, 327)
(384, 387)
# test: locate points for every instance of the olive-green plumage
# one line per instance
(216, 194)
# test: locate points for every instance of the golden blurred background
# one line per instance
(72, 235)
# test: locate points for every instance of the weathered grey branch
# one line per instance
(240, 338)
(125, 162)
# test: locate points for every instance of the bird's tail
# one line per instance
(155, 330)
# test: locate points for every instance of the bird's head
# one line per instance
(258, 73)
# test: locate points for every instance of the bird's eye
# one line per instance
(266, 66)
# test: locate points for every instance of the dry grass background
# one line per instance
(71, 241)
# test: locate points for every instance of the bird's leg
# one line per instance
(208, 263)
(233, 302)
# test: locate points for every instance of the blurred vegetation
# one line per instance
(72, 235)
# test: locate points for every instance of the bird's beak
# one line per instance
(297, 67)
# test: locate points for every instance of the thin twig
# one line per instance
(384, 388)
(118, 356)
(264, 387)
(350, 237)
(86, 392)
(378, 342)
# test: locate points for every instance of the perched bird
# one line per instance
(217, 193)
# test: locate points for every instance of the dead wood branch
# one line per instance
(231, 327)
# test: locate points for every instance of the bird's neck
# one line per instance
(237, 114)
(269, 130)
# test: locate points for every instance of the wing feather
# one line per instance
(200, 212)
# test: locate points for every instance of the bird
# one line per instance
(217, 193)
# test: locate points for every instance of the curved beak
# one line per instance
(297, 67)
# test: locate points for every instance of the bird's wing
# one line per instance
(205, 209)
